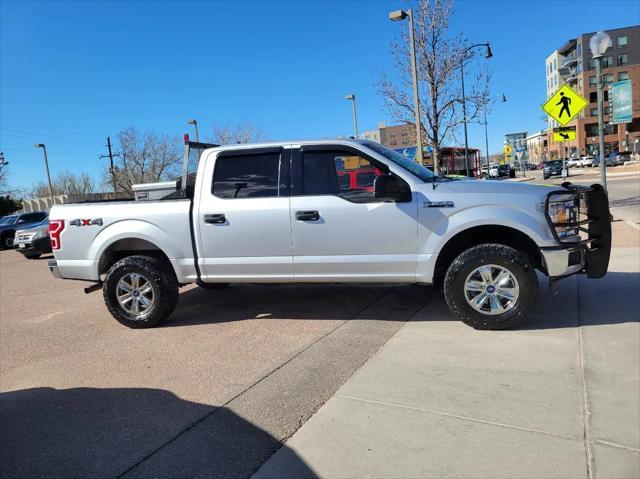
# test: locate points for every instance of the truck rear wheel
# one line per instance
(140, 291)
(491, 286)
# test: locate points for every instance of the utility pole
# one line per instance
(111, 167)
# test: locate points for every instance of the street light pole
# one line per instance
(401, 15)
(46, 165)
(355, 118)
(464, 120)
(488, 54)
(195, 125)
(598, 45)
(486, 136)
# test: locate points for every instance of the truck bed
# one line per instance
(91, 228)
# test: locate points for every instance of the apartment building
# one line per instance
(573, 63)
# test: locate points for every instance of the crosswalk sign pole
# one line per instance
(564, 161)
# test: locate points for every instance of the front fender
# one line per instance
(435, 236)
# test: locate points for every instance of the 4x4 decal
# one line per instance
(86, 222)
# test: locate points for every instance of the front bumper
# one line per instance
(39, 245)
(564, 261)
(53, 267)
(589, 254)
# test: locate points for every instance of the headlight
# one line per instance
(38, 234)
(564, 211)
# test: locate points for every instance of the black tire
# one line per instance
(213, 285)
(518, 264)
(545, 177)
(162, 280)
(32, 256)
(7, 240)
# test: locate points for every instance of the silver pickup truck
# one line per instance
(332, 211)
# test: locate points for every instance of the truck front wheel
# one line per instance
(491, 286)
(140, 291)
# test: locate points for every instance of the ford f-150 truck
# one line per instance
(278, 213)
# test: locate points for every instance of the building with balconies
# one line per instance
(573, 63)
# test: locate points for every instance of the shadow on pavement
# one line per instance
(240, 302)
(614, 299)
(88, 432)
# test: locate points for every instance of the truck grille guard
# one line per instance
(593, 221)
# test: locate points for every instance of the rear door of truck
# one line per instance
(244, 228)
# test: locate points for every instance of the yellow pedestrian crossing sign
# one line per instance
(507, 150)
(565, 133)
(564, 105)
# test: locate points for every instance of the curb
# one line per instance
(520, 180)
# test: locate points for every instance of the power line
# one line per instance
(55, 131)
(61, 139)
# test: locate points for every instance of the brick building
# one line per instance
(572, 63)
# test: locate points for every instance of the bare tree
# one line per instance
(65, 183)
(239, 133)
(439, 57)
(145, 158)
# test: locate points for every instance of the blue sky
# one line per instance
(72, 73)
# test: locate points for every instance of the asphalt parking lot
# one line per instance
(213, 392)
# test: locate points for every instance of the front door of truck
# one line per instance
(244, 226)
(340, 231)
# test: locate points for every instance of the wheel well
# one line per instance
(484, 234)
(129, 247)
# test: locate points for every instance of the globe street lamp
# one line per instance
(396, 16)
(355, 118)
(195, 125)
(598, 45)
(488, 54)
(46, 165)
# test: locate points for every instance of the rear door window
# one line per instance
(247, 176)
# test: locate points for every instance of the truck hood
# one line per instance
(498, 187)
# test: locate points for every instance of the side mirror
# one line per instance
(390, 188)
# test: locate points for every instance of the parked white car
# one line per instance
(586, 161)
(281, 213)
(573, 162)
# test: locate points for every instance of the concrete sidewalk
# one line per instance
(560, 398)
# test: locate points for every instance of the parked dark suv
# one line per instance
(10, 224)
(552, 168)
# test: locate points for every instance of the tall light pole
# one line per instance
(46, 165)
(598, 45)
(396, 16)
(486, 133)
(488, 54)
(195, 125)
(352, 97)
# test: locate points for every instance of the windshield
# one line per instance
(8, 220)
(402, 161)
(554, 163)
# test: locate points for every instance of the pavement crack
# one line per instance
(221, 407)
(464, 418)
(616, 445)
(586, 411)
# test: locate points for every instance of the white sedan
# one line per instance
(586, 161)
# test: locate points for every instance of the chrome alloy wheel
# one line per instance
(491, 289)
(135, 294)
